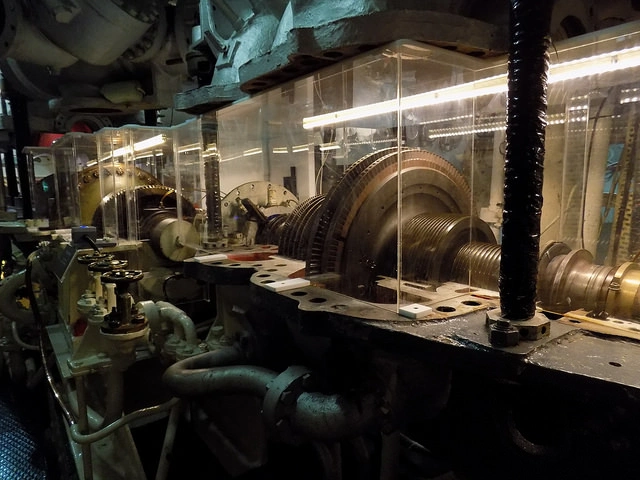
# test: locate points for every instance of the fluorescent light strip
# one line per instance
(487, 86)
(455, 131)
(603, 63)
(630, 95)
(300, 148)
(252, 151)
(194, 147)
(329, 146)
(554, 119)
(441, 120)
(229, 159)
(138, 146)
(598, 64)
(148, 143)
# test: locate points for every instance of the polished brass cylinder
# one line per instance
(568, 280)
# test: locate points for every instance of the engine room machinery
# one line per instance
(352, 274)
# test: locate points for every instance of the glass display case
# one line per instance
(394, 161)
(41, 169)
(363, 148)
(76, 179)
(194, 160)
(131, 167)
(153, 187)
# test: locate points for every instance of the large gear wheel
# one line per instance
(296, 229)
(149, 200)
(115, 179)
(355, 232)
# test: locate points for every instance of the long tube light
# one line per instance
(484, 127)
(329, 146)
(252, 151)
(300, 148)
(571, 70)
(138, 146)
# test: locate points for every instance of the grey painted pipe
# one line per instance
(331, 417)
(217, 372)
(316, 415)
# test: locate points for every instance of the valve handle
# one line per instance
(107, 265)
(121, 277)
(94, 257)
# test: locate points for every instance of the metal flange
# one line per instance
(280, 401)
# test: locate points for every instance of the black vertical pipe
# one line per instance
(22, 137)
(526, 121)
(151, 117)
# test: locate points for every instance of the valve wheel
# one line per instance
(107, 265)
(94, 257)
(121, 277)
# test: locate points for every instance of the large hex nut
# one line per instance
(504, 337)
(501, 332)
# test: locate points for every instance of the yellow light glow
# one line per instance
(252, 151)
(561, 72)
(329, 146)
(300, 148)
(139, 146)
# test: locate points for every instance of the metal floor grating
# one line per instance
(21, 458)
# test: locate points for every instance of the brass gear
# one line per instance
(89, 186)
(355, 231)
(149, 199)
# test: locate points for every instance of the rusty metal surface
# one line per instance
(308, 47)
(609, 359)
(318, 34)
(569, 355)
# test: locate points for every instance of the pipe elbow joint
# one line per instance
(294, 414)
(217, 372)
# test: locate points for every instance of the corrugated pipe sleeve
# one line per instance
(526, 122)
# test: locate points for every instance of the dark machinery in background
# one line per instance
(296, 359)
(210, 53)
(383, 397)
(193, 56)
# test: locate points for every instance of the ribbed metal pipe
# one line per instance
(526, 122)
(426, 241)
(478, 265)
(431, 242)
